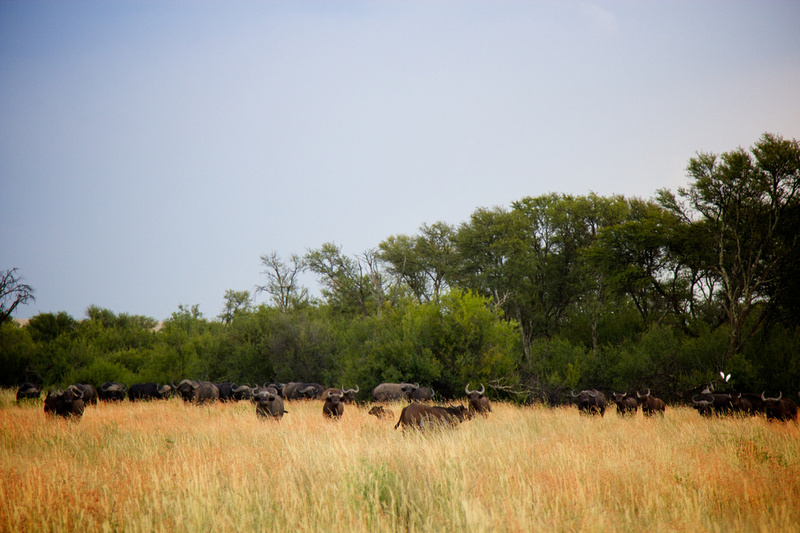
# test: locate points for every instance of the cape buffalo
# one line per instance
(225, 391)
(186, 388)
(333, 407)
(198, 392)
(29, 391)
(242, 392)
(148, 391)
(68, 404)
(704, 407)
(348, 395)
(89, 393)
(386, 392)
(255, 392)
(270, 406)
(420, 416)
(382, 413)
(296, 390)
(650, 404)
(780, 408)
(626, 405)
(310, 391)
(111, 391)
(591, 402)
(422, 394)
(478, 403)
(718, 403)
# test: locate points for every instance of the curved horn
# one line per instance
(416, 385)
(466, 389)
(648, 393)
(592, 395)
(762, 396)
(356, 388)
(638, 395)
(573, 393)
(482, 389)
(780, 395)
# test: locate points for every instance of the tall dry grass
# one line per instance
(166, 466)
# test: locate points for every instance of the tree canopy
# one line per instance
(550, 293)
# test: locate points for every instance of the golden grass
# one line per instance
(166, 466)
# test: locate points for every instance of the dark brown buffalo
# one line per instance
(242, 392)
(478, 403)
(780, 408)
(417, 415)
(148, 391)
(255, 392)
(721, 403)
(591, 402)
(205, 392)
(67, 404)
(186, 388)
(296, 390)
(422, 394)
(348, 395)
(269, 405)
(704, 407)
(333, 406)
(650, 404)
(111, 391)
(381, 412)
(225, 389)
(29, 391)
(89, 393)
(198, 392)
(626, 404)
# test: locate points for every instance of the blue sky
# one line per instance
(152, 151)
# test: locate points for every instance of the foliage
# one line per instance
(553, 293)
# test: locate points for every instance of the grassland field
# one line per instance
(164, 466)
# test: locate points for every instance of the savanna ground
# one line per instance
(166, 466)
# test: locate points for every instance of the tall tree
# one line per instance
(741, 201)
(235, 302)
(423, 262)
(634, 258)
(13, 293)
(283, 285)
(346, 285)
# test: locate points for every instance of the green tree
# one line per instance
(422, 262)
(742, 200)
(635, 260)
(17, 350)
(235, 302)
(347, 284)
(283, 286)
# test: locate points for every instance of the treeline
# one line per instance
(552, 293)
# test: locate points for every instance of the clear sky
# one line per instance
(152, 151)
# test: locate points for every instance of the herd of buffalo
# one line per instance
(269, 400)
